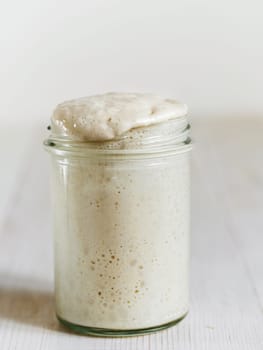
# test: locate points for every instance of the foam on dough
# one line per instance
(105, 117)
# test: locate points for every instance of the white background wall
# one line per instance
(206, 53)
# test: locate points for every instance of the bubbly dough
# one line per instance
(121, 223)
(105, 117)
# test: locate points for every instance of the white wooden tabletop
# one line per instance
(227, 246)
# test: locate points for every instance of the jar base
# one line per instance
(106, 332)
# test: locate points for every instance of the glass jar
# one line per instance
(121, 225)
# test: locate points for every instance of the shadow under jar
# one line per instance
(121, 225)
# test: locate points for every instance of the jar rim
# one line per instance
(153, 141)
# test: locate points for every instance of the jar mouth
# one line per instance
(164, 138)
